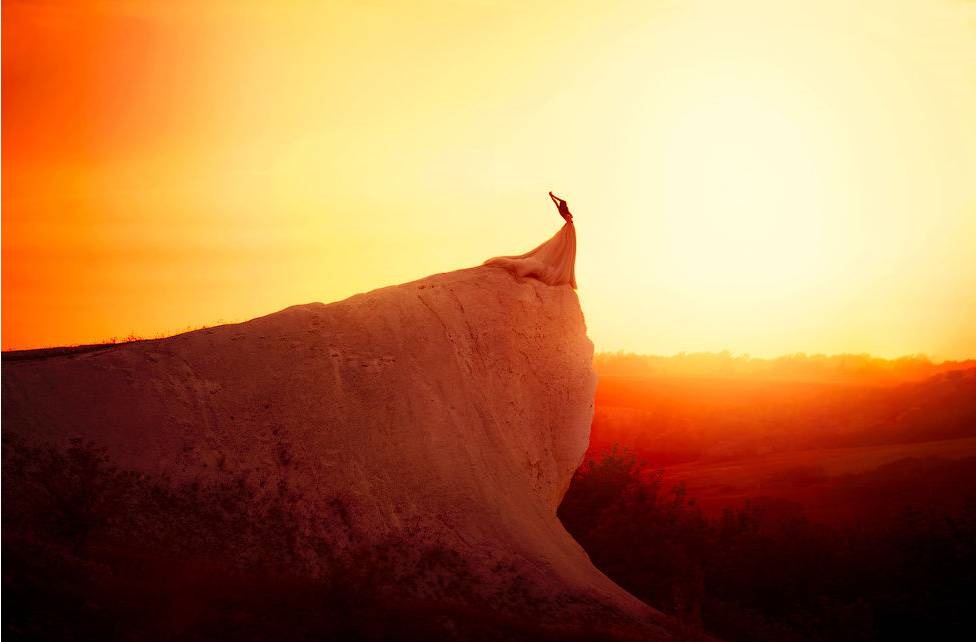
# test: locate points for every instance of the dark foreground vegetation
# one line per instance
(763, 572)
(860, 524)
(92, 552)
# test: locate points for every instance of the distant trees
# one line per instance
(673, 420)
(862, 369)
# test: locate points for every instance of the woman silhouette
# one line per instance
(553, 262)
(562, 207)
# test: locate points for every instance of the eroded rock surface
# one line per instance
(445, 414)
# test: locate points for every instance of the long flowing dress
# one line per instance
(553, 262)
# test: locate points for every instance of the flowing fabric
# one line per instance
(553, 262)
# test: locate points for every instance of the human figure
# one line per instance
(553, 262)
(562, 207)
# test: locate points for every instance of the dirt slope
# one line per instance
(445, 413)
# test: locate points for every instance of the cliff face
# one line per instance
(449, 412)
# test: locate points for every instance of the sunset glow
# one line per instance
(759, 176)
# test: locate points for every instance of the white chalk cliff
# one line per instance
(450, 411)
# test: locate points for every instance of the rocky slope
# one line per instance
(447, 415)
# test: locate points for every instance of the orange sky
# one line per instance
(745, 176)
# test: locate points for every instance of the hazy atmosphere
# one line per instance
(489, 321)
(755, 176)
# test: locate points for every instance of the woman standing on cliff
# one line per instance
(553, 262)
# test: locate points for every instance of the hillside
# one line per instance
(681, 420)
(801, 499)
(411, 444)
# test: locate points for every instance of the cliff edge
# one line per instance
(438, 422)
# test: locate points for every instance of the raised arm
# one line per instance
(562, 206)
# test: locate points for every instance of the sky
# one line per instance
(761, 176)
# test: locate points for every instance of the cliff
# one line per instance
(441, 417)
